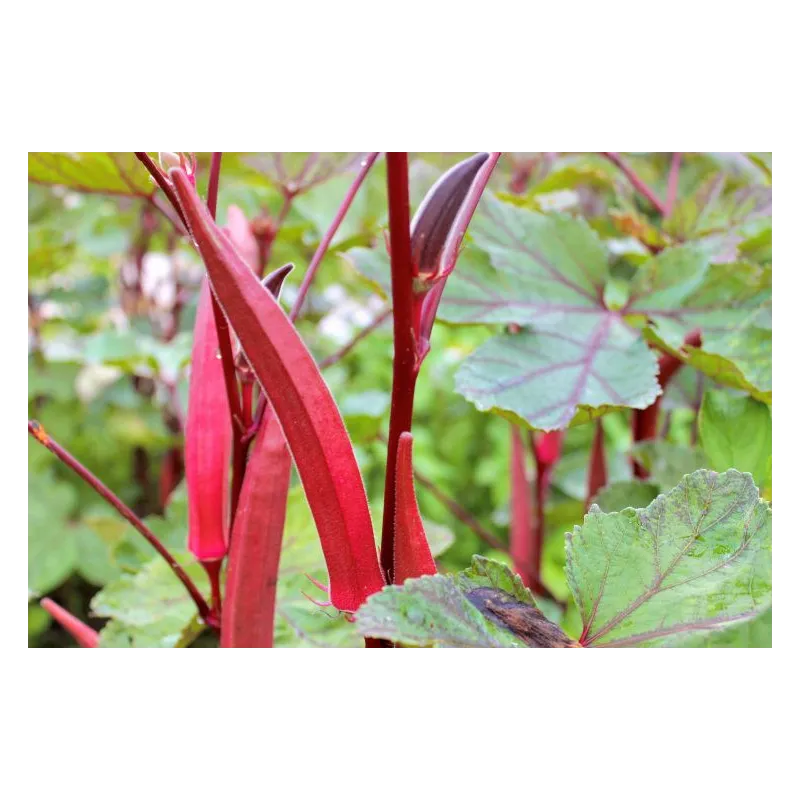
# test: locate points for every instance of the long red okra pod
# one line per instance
(248, 611)
(311, 422)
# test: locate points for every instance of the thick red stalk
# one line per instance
(39, 433)
(598, 472)
(522, 543)
(79, 631)
(546, 449)
(248, 611)
(404, 369)
(412, 557)
(311, 422)
(644, 422)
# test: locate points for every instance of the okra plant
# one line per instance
(489, 400)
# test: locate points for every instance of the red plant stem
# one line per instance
(247, 403)
(366, 165)
(248, 611)
(213, 569)
(38, 432)
(645, 422)
(78, 630)
(672, 183)
(213, 183)
(636, 181)
(523, 551)
(598, 472)
(165, 186)
(362, 334)
(265, 242)
(404, 370)
(528, 538)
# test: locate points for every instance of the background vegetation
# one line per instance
(112, 295)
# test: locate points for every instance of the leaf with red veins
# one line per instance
(209, 440)
(412, 553)
(311, 422)
(695, 561)
(79, 631)
(248, 611)
(94, 173)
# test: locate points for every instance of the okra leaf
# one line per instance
(150, 608)
(484, 606)
(737, 432)
(626, 494)
(696, 561)
(552, 378)
(52, 545)
(729, 303)
(711, 208)
(668, 462)
(107, 173)
(757, 632)
(431, 611)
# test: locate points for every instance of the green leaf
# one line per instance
(485, 573)
(431, 611)
(151, 606)
(756, 632)
(486, 605)
(668, 462)
(138, 354)
(551, 379)
(626, 494)
(729, 303)
(737, 432)
(712, 209)
(695, 561)
(110, 173)
(52, 546)
(582, 358)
